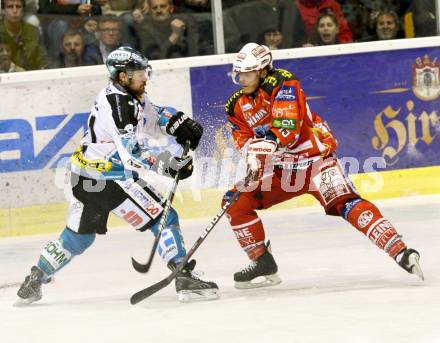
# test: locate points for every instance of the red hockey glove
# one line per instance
(260, 157)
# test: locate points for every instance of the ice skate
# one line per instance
(30, 289)
(259, 273)
(190, 288)
(409, 260)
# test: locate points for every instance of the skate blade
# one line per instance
(413, 260)
(197, 295)
(268, 281)
(25, 302)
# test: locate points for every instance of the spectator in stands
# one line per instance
(357, 17)
(139, 13)
(387, 27)
(419, 20)
(109, 39)
(311, 9)
(24, 39)
(374, 7)
(273, 39)
(129, 13)
(59, 16)
(74, 53)
(6, 64)
(325, 31)
(256, 17)
(162, 34)
(89, 30)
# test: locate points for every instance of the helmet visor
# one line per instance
(141, 74)
(148, 72)
(235, 76)
(244, 78)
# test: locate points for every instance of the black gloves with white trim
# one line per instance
(169, 165)
(184, 128)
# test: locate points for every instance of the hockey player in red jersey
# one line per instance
(290, 151)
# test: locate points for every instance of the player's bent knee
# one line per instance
(76, 243)
(227, 196)
(360, 213)
(171, 245)
(172, 220)
(348, 206)
(241, 206)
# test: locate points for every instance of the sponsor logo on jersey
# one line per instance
(331, 184)
(286, 123)
(252, 120)
(132, 214)
(142, 198)
(290, 165)
(257, 150)
(78, 159)
(246, 107)
(132, 217)
(287, 93)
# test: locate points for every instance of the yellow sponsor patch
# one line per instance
(78, 159)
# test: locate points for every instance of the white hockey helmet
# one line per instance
(251, 57)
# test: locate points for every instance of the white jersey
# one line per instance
(124, 135)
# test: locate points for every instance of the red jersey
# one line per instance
(279, 105)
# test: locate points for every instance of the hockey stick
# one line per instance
(146, 292)
(143, 268)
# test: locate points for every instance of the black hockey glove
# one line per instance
(169, 165)
(184, 128)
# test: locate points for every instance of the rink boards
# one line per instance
(381, 99)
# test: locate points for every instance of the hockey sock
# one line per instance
(60, 252)
(251, 236)
(366, 217)
(171, 245)
(246, 224)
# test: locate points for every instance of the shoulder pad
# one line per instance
(230, 104)
(275, 77)
(124, 109)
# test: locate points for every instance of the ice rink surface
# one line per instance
(337, 286)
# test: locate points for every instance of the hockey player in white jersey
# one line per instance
(124, 138)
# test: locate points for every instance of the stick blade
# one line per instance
(147, 292)
(139, 267)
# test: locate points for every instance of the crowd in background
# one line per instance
(40, 34)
